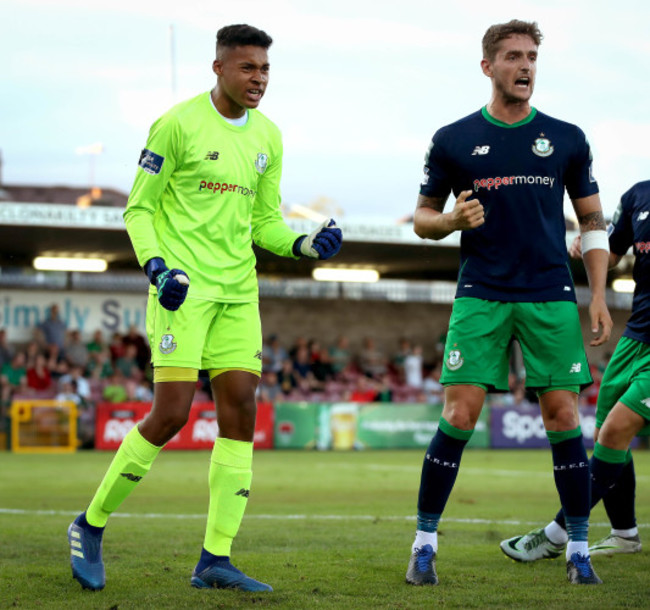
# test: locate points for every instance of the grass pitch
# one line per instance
(326, 530)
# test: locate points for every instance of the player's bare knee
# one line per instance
(459, 416)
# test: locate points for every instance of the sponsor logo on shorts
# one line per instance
(642, 247)
(455, 360)
(243, 492)
(646, 402)
(218, 188)
(542, 146)
(150, 162)
(576, 367)
(261, 162)
(496, 182)
(167, 344)
(258, 355)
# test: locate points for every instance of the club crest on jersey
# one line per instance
(455, 360)
(542, 147)
(261, 162)
(167, 344)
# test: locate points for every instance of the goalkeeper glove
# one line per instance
(171, 285)
(323, 243)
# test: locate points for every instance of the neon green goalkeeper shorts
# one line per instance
(477, 351)
(626, 380)
(205, 335)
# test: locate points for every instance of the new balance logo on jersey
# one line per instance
(576, 367)
(643, 215)
(131, 477)
(243, 492)
(212, 155)
(481, 150)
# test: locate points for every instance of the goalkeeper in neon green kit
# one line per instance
(207, 185)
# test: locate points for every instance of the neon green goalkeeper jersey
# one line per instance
(204, 190)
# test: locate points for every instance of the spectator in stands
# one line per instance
(301, 363)
(287, 378)
(340, 355)
(6, 351)
(273, 355)
(142, 354)
(413, 366)
(38, 375)
(97, 344)
(13, 377)
(82, 385)
(397, 361)
(384, 389)
(371, 359)
(53, 329)
(322, 368)
(115, 388)
(299, 343)
(127, 363)
(116, 347)
(269, 388)
(143, 391)
(76, 352)
(364, 390)
(434, 391)
(32, 349)
(100, 365)
(68, 391)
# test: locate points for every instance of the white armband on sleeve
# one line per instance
(595, 240)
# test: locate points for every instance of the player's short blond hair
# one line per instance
(496, 33)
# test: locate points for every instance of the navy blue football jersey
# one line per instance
(631, 227)
(519, 174)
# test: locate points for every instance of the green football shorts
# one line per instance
(205, 335)
(477, 351)
(626, 380)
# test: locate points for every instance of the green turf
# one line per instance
(327, 530)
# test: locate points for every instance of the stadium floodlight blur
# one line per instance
(66, 263)
(339, 274)
(623, 284)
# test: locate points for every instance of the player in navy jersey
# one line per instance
(508, 166)
(623, 401)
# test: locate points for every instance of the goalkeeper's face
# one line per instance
(243, 75)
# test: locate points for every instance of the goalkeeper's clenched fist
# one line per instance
(323, 243)
(171, 284)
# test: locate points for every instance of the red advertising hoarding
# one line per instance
(113, 422)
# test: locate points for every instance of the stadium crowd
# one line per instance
(58, 363)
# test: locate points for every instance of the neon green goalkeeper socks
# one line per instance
(131, 462)
(230, 480)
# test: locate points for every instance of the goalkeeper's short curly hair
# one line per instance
(496, 33)
(241, 34)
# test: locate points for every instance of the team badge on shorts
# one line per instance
(454, 360)
(167, 344)
(542, 147)
(261, 162)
